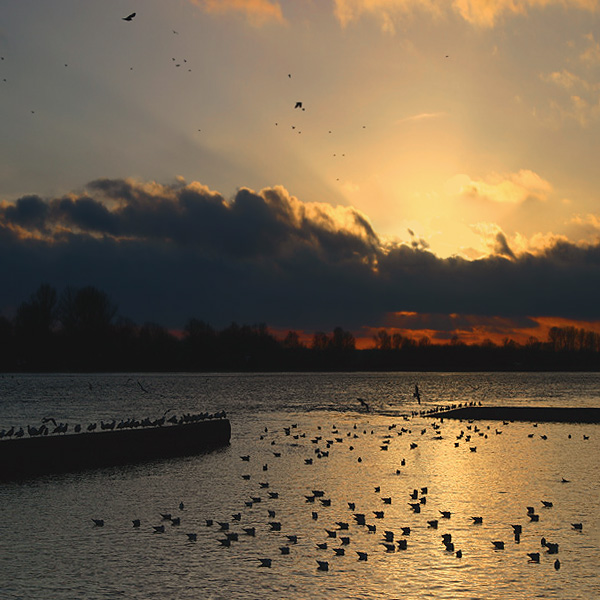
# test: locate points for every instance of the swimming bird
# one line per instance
(433, 523)
(166, 516)
(176, 521)
(477, 520)
(459, 554)
(323, 565)
(551, 548)
(534, 557)
(339, 551)
(577, 526)
(129, 17)
(275, 525)
(446, 514)
(405, 530)
(402, 544)
(136, 522)
(158, 528)
(322, 546)
(498, 545)
(284, 549)
(192, 537)
(557, 564)
(98, 522)
(251, 531)
(245, 458)
(265, 562)
(547, 504)
(362, 555)
(209, 522)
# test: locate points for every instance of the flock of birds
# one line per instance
(294, 126)
(355, 528)
(131, 423)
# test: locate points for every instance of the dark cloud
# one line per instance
(166, 253)
(502, 248)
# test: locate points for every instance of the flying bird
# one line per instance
(129, 17)
(298, 105)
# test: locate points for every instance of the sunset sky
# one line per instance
(441, 176)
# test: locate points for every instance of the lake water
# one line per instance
(51, 549)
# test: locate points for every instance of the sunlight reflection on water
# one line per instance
(49, 547)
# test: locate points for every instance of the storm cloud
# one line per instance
(165, 253)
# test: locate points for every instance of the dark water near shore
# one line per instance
(49, 547)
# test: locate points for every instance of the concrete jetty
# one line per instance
(30, 456)
(538, 414)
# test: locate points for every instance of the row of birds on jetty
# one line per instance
(63, 428)
(359, 528)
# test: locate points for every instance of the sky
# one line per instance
(426, 167)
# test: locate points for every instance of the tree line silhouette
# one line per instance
(80, 330)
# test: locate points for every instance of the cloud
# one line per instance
(480, 13)
(486, 13)
(511, 188)
(166, 253)
(258, 12)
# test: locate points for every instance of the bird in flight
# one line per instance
(129, 17)
(298, 105)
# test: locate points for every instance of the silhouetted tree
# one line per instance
(320, 341)
(86, 316)
(36, 318)
(292, 341)
(383, 340)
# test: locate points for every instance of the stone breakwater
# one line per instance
(538, 414)
(40, 455)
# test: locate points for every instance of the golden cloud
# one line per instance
(512, 188)
(482, 13)
(258, 12)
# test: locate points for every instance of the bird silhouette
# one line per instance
(129, 17)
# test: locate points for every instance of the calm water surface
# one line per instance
(50, 548)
